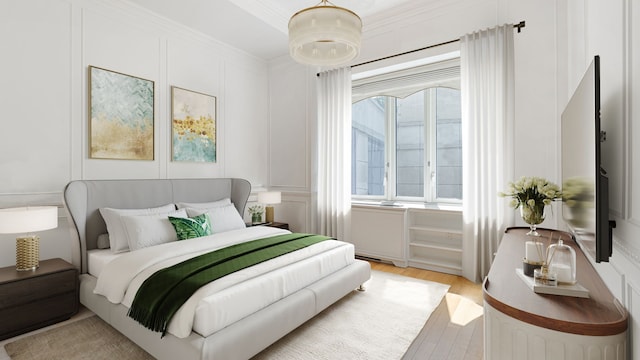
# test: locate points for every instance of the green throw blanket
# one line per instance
(162, 294)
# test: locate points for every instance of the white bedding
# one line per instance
(98, 258)
(233, 297)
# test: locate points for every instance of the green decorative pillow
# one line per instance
(188, 228)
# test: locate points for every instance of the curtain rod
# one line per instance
(518, 26)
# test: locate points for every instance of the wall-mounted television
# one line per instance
(585, 185)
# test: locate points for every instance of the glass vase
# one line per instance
(256, 218)
(532, 215)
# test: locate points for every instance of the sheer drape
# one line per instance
(487, 80)
(333, 202)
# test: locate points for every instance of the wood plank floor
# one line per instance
(455, 329)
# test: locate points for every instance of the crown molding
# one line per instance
(268, 11)
(409, 13)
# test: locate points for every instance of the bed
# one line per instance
(235, 317)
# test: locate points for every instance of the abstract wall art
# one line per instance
(121, 116)
(193, 126)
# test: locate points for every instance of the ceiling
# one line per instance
(258, 27)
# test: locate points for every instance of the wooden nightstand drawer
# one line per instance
(32, 299)
(38, 287)
(37, 314)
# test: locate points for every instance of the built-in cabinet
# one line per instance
(435, 240)
(423, 238)
(378, 232)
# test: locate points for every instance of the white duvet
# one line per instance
(233, 297)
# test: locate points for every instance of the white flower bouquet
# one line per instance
(531, 195)
(532, 191)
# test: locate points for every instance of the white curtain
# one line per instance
(333, 201)
(487, 81)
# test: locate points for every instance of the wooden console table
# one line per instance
(521, 324)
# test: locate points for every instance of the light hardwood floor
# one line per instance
(455, 329)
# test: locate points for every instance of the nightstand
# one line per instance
(278, 225)
(274, 224)
(30, 300)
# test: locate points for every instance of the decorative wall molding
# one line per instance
(620, 248)
(8, 200)
(297, 207)
(290, 165)
(627, 106)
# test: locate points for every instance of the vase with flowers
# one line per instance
(256, 212)
(532, 195)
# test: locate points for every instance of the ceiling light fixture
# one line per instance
(324, 35)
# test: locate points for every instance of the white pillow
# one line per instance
(149, 230)
(204, 205)
(223, 218)
(118, 240)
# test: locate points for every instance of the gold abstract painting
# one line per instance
(193, 126)
(121, 116)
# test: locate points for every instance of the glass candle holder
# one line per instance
(563, 262)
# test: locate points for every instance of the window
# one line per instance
(406, 136)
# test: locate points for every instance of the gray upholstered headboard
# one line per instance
(84, 198)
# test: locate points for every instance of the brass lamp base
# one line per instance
(268, 217)
(27, 253)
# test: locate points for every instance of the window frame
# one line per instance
(430, 151)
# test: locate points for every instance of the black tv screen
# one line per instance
(585, 188)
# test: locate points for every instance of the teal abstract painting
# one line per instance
(121, 116)
(193, 126)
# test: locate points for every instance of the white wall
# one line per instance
(47, 46)
(292, 123)
(610, 29)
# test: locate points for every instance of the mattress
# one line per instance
(229, 299)
(98, 258)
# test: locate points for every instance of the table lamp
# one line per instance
(269, 198)
(26, 220)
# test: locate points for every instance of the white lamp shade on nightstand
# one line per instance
(26, 220)
(269, 198)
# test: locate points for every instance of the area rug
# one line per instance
(379, 323)
(89, 338)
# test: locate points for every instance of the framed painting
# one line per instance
(121, 116)
(193, 126)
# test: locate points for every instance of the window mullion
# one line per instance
(430, 144)
(390, 162)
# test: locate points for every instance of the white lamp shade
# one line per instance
(28, 219)
(269, 197)
(325, 36)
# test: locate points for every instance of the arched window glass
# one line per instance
(407, 141)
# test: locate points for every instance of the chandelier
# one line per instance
(324, 35)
